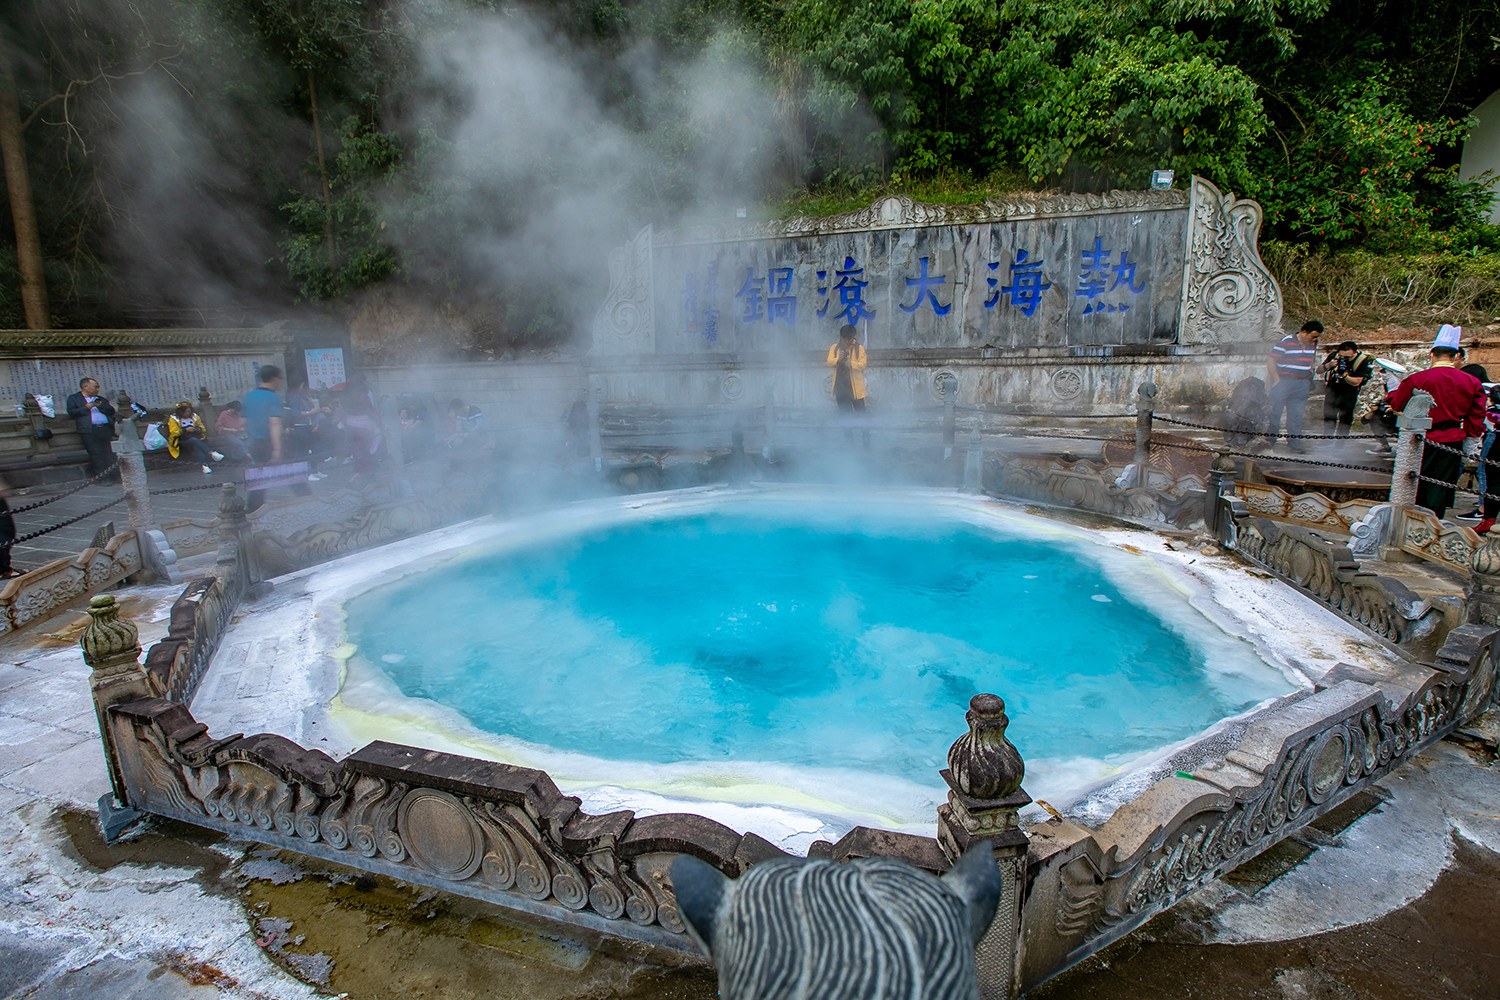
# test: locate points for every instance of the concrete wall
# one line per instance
(1482, 148)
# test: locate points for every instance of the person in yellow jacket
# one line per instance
(186, 435)
(847, 359)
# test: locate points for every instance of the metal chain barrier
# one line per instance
(67, 493)
(1280, 434)
(1121, 439)
(70, 521)
(189, 489)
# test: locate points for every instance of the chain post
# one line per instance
(1412, 425)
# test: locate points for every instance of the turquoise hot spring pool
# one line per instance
(838, 644)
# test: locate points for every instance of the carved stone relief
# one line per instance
(624, 324)
(1227, 293)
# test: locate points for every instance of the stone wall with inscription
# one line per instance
(156, 367)
(1139, 282)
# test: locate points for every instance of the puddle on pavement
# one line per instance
(1268, 866)
(387, 939)
(168, 844)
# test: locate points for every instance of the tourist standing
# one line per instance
(1289, 381)
(265, 417)
(847, 359)
(94, 419)
(1458, 409)
(1346, 369)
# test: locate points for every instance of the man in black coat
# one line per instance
(95, 420)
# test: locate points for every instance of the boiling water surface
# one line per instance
(810, 638)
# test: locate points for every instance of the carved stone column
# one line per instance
(1220, 475)
(206, 407)
(1483, 592)
(984, 796)
(111, 647)
(950, 405)
(1414, 423)
(156, 553)
(974, 462)
(237, 556)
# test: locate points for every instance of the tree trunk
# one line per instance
(22, 209)
(312, 95)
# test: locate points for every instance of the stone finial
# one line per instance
(1485, 560)
(108, 637)
(984, 763)
(1223, 463)
(231, 504)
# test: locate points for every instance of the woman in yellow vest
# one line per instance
(847, 359)
(187, 436)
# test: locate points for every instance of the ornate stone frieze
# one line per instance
(1050, 479)
(1314, 509)
(492, 831)
(625, 323)
(1227, 293)
(1421, 534)
(45, 591)
(1292, 766)
(370, 526)
(1328, 573)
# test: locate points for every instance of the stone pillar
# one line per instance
(950, 418)
(390, 419)
(243, 561)
(111, 647)
(596, 444)
(1413, 425)
(206, 409)
(984, 797)
(1483, 592)
(768, 450)
(1220, 474)
(1145, 406)
(738, 466)
(156, 554)
(974, 462)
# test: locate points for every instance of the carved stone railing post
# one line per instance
(156, 552)
(1220, 474)
(984, 797)
(206, 407)
(768, 450)
(974, 462)
(1145, 407)
(243, 557)
(1484, 583)
(111, 647)
(596, 444)
(1413, 424)
(950, 407)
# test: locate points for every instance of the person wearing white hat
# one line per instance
(1458, 410)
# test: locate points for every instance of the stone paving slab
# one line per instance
(118, 979)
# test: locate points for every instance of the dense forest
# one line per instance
(236, 161)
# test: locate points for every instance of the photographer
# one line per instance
(1346, 369)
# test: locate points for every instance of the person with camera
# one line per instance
(1346, 369)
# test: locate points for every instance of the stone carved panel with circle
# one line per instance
(1067, 383)
(731, 387)
(440, 834)
(1229, 294)
(938, 380)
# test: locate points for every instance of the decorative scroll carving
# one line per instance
(1329, 574)
(1227, 293)
(1312, 509)
(43, 592)
(1084, 484)
(624, 323)
(1422, 534)
(1368, 534)
(199, 617)
(1292, 766)
(371, 526)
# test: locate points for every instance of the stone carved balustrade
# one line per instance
(1328, 573)
(478, 828)
(47, 590)
(1313, 509)
(1089, 888)
(1092, 486)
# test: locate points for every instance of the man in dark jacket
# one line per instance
(95, 420)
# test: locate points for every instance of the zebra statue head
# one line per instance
(802, 929)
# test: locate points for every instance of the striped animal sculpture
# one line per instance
(873, 929)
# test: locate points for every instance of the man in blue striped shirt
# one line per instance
(1289, 375)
